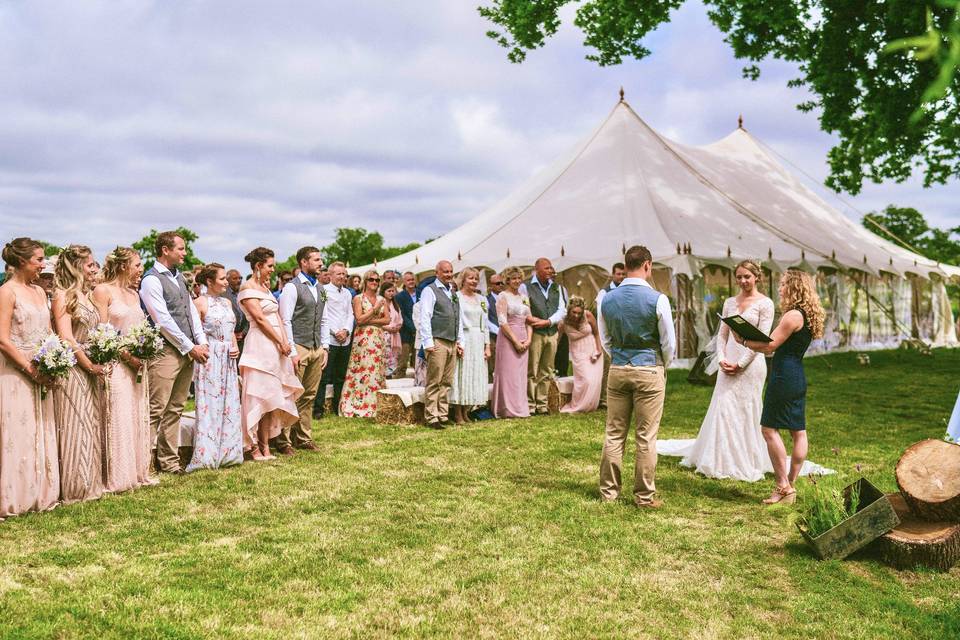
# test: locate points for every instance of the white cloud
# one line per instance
(272, 123)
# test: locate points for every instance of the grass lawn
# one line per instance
(490, 530)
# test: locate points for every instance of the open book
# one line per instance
(739, 325)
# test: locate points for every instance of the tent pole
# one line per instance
(866, 290)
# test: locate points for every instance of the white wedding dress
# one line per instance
(730, 444)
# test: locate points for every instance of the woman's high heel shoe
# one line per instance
(782, 495)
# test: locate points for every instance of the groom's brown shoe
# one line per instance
(653, 504)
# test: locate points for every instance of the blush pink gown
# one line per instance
(587, 376)
(29, 469)
(270, 386)
(128, 441)
(509, 396)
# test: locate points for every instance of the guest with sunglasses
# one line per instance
(367, 371)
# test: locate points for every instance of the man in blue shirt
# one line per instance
(406, 298)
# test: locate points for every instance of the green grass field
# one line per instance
(491, 530)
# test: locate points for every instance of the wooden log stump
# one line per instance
(918, 543)
(928, 475)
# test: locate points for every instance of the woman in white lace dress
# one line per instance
(470, 371)
(730, 444)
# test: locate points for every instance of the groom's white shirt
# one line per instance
(668, 338)
(151, 294)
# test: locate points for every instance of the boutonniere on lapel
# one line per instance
(322, 294)
(455, 298)
(525, 300)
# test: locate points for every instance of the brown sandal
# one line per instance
(782, 495)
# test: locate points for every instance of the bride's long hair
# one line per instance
(68, 276)
(799, 292)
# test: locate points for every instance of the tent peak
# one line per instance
(621, 93)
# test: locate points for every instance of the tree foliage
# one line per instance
(864, 93)
(356, 246)
(50, 249)
(911, 227)
(146, 248)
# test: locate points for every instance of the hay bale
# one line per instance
(391, 410)
(553, 398)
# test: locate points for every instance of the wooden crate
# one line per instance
(874, 517)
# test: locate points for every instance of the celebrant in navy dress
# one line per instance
(784, 404)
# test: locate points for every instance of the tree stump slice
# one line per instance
(918, 543)
(928, 475)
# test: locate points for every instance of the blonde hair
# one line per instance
(799, 292)
(463, 276)
(68, 276)
(511, 272)
(753, 267)
(574, 302)
(116, 262)
(366, 276)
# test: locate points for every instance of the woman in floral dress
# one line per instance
(367, 371)
(218, 438)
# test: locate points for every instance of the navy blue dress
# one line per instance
(784, 403)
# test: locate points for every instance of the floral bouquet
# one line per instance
(53, 358)
(143, 342)
(104, 344)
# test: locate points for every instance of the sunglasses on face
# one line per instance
(373, 279)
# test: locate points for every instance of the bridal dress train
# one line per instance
(730, 444)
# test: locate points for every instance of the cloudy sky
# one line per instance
(275, 122)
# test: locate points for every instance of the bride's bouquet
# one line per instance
(54, 358)
(143, 342)
(104, 344)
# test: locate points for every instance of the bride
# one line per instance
(730, 443)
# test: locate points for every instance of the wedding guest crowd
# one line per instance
(259, 358)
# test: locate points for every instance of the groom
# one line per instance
(164, 294)
(636, 328)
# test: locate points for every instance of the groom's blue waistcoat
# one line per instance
(630, 315)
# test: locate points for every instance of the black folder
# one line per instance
(739, 325)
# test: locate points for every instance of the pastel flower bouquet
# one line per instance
(143, 342)
(53, 358)
(104, 344)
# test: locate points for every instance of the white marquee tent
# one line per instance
(700, 210)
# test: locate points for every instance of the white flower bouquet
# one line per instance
(143, 342)
(104, 344)
(53, 358)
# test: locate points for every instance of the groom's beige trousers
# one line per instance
(637, 393)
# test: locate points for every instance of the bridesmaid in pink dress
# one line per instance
(389, 291)
(509, 395)
(270, 387)
(128, 445)
(586, 355)
(29, 469)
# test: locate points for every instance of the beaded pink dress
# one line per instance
(29, 469)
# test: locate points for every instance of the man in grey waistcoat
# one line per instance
(439, 329)
(548, 305)
(165, 296)
(636, 329)
(302, 304)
